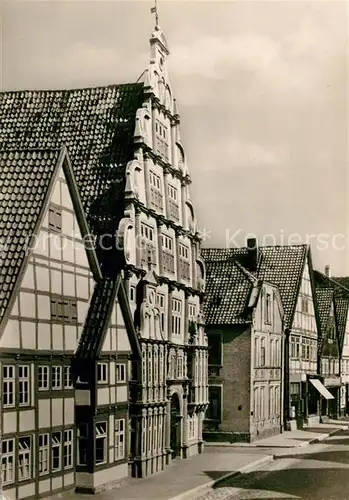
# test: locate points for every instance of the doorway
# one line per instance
(175, 426)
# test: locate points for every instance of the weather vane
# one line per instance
(154, 10)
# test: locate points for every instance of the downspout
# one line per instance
(287, 380)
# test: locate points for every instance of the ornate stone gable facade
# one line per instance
(165, 281)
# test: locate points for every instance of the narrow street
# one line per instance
(319, 472)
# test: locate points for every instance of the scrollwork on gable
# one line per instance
(142, 128)
(124, 238)
(133, 170)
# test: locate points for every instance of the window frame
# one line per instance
(43, 373)
(10, 382)
(44, 453)
(54, 218)
(103, 437)
(68, 445)
(119, 439)
(102, 373)
(121, 367)
(56, 445)
(26, 455)
(24, 381)
(8, 457)
(56, 377)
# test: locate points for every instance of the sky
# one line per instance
(262, 91)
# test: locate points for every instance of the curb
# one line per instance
(189, 494)
(314, 441)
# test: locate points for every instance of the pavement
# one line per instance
(187, 479)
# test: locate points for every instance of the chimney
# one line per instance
(328, 271)
(252, 254)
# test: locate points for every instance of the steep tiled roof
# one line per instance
(342, 280)
(96, 125)
(341, 299)
(96, 324)
(280, 265)
(324, 298)
(228, 288)
(25, 177)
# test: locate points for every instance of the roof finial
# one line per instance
(154, 10)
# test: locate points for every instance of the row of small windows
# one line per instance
(103, 373)
(160, 129)
(260, 359)
(154, 180)
(55, 453)
(48, 377)
(176, 310)
(101, 442)
(304, 348)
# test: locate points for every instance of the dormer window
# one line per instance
(156, 201)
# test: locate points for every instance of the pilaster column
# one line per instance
(146, 180)
(186, 317)
(169, 313)
(138, 237)
(173, 159)
(185, 426)
(168, 431)
(184, 221)
(167, 205)
(160, 258)
(177, 260)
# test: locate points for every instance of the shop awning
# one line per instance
(321, 388)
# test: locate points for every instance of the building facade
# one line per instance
(103, 349)
(245, 334)
(165, 279)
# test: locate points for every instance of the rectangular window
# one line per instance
(63, 310)
(160, 302)
(119, 442)
(215, 350)
(173, 204)
(305, 305)
(120, 373)
(56, 378)
(24, 458)
(23, 384)
(56, 451)
(161, 143)
(192, 311)
(55, 218)
(8, 461)
(256, 352)
(82, 431)
(68, 382)
(267, 311)
(8, 386)
(184, 262)
(148, 244)
(68, 449)
(44, 454)
(176, 316)
(262, 353)
(214, 411)
(101, 442)
(43, 378)
(156, 200)
(102, 373)
(179, 367)
(167, 253)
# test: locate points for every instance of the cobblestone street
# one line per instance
(320, 473)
